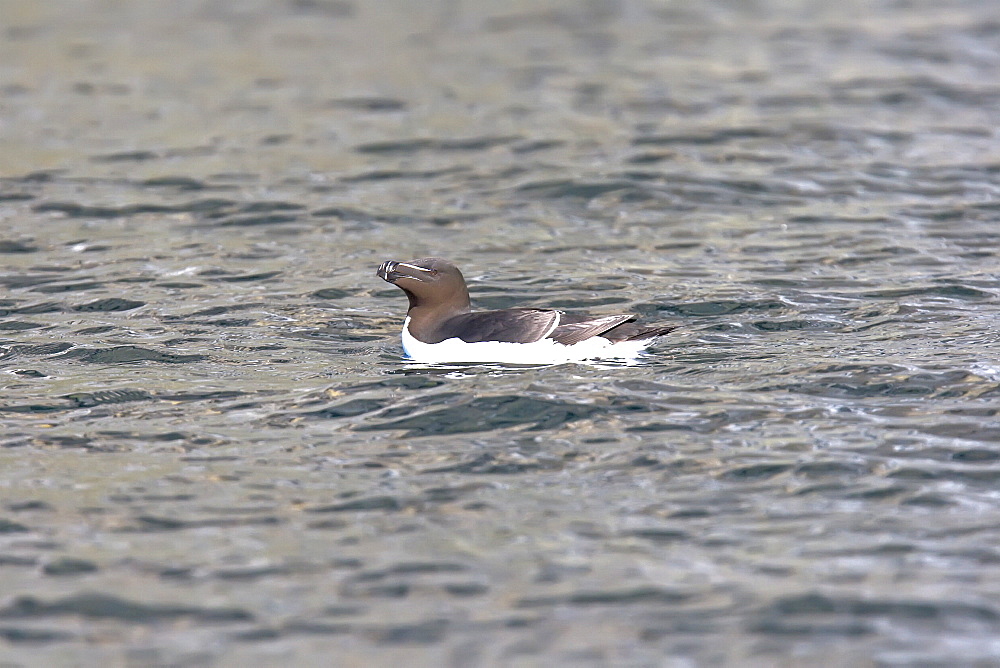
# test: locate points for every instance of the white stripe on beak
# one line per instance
(413, 266)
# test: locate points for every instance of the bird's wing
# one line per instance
(516, 325)
(582, 328)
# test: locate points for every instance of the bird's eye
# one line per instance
(434, 272)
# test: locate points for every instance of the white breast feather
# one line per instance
(545, 351)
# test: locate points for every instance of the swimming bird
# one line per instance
(441, 327)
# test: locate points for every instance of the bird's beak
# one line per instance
(391, 271)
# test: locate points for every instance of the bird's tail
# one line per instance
(650, 333)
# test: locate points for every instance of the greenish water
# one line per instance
(212, 453)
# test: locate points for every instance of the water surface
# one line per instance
(213, 453)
